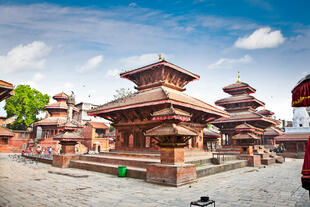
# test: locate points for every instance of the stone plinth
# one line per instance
(253, 160)
(63, 160)
(171, 175)
(172, 155)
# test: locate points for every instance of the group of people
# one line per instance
(39, 150)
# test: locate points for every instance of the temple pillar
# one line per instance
(130, 141)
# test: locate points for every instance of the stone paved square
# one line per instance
(27, 183)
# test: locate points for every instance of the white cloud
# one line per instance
(229, 63)
(137, 61)
(91, 64)
(34, 81)
(24, 57)
(37, 77)
(261, 38)
(133, 4)
(216, 22)
(113, 73)
(68, 85)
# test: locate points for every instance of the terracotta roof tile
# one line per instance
(238, 85)
(61, 95)
(5, 132)
(245, 116)
(245, 136)
(238, 99)
(171, 111)
(158, 95)
(273, 131)
(57, 105)
(4, 84)
(209, 133)
(169, 129)
(165, 63)
(6, 90)
(51, 121)
(98, 125)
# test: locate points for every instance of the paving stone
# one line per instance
(32, 185)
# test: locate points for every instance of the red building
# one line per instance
(95, 136)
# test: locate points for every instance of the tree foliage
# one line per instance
(112, 128)
(25, 105)
(122, 92)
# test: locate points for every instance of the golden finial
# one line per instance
(160, 57)
(238, 81)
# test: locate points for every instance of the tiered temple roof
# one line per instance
(247, 132)
(242, 107)
(159, 86)
(157, 96)
(57, 112)
(245, 125)
(159, 83)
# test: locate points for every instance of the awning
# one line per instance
(301, 93)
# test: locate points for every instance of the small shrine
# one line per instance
(247, 136)
(68, 138)
(171, 137)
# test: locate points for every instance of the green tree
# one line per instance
(112, 128)
(26, 104)
(122, 92)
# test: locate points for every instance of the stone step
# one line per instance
(123, 161)
(228, 149)
(213, 169)
(132, 172)
(131, 154)
(268, 161)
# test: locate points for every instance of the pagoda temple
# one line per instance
(55, 122)
(242, 109)
(57, 114)
(159, 85)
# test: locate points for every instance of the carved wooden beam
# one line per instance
(124, 117)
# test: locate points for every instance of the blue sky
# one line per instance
(82, 45)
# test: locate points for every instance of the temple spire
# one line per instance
(238, 80)
(160, 57)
